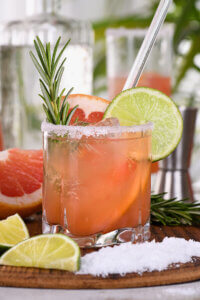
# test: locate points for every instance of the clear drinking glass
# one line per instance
(97, 183)
(122, 48)
(21, 112)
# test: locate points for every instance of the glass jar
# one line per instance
(97, 183)
(21, 112)
(122, 47)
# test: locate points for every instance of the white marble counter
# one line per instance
(187, 291)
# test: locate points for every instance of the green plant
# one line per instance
(172, 212)
(185, 16)
(51, 72)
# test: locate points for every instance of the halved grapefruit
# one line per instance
(21, 177)
(90, 108)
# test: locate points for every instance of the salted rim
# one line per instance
(79, 131)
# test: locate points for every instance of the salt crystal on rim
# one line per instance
(138, 258)
(95, 131)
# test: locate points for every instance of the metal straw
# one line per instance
(147, 44)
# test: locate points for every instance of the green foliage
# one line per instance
(186, 19)
(172, 212)
(51, 73)
(187, 28)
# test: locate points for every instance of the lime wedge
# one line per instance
(49, 251)
(142, 105)
(12, 231)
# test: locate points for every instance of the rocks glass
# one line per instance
(97, 183)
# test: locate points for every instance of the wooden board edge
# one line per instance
(51, 280)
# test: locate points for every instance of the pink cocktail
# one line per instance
(152, 80)
(97, 182)
(122, 48)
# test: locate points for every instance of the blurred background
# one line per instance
(185, 15)
(21, 20)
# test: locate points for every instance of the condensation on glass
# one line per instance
(21, 112)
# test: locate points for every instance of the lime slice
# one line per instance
(12, 231)
(142, 105)
(49, 251)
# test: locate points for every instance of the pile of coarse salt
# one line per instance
(138, 258)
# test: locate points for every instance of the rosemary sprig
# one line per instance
(172, 212)
(81, 123)
(51, 72)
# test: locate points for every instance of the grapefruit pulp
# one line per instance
(90, 108)
(21, 177)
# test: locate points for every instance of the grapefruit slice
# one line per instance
(21, 177)
(90, 108)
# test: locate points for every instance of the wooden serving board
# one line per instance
(41, 278)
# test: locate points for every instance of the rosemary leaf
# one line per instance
(39, 68)
(55, 51)
(42, 49)
(45, 91)
(58, 101)
(64, 100)
(81, 123)
(58, 81)
(62, 92)
(54, 90)
(65, 112)
(59, 69)
(56, 112)
(40, 57)
(58, 58)
(42, 98)
(48, 55)
(48, 115)
(48, 100)
(70, 115)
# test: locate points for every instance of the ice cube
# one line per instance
(108, 122)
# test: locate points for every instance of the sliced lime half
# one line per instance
(49, 251)
(142, 105)
(12, 231)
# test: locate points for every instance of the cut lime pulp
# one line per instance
(142, 105)
(49, 251)
(12, 231)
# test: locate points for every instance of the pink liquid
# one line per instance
(1, 138)
(97, 185)
(152, 80)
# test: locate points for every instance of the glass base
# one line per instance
(135, 235)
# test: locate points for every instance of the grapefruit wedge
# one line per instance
(90, 108)
(21, 177)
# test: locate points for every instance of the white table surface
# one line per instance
(187, 291)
